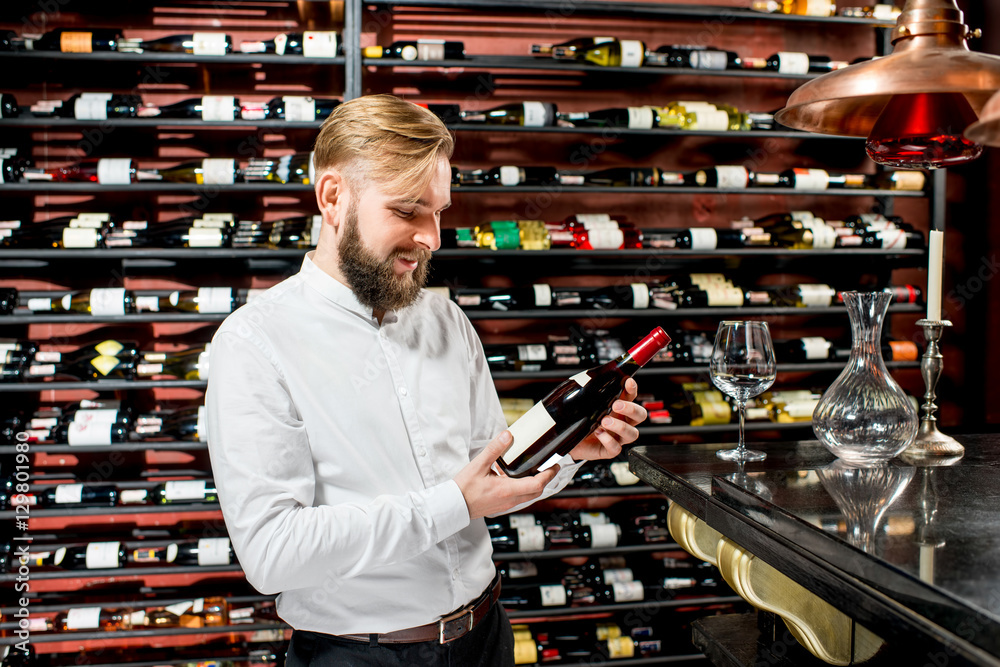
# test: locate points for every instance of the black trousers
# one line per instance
(489, 644)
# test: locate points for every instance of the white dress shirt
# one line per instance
(334, 442)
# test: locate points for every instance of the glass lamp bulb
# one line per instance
(923, 131)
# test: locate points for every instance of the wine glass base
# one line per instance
(740, 455)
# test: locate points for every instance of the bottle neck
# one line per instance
(644, 350)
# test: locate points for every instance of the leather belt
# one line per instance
(445, 629)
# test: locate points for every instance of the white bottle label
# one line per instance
(521, 520)
(709, 59)
(884, 12)
(819, 8)
(640, 295)
(96, 416)
(801, 409)
(429, 49)
(704, 238)
(89, 433)
(618, 575)
(209, 44)
(193, 489)
(824, 236)
(532, 425)
(553, 595)
(114, 171)
(593, 519)
(79, 237)
(91, 108)
(69, 493)
(107, 301)
(203, 366)
(83, 618)
(531, 538)
(816, 347)
(892, 238)
(147, 303)
(179, 608)
(218, 171)
(532, 353)
(299, 109)
(202, 424)
(39, 304)
(724, 296)
(213, 551)
(811, 179)
(793, 62)
(816, 295)
(543, 295)
(604, 535)
(627, 591)
(510, 176)
(218, 107)
(632, 53)
(586, 219)
(733, 177)
(534, 114)
(102, 555)
(133, 496)
(215, 299)
(608, 238)
(319, 44)
(623, 476)
(711, 120)
(640, 118)
(204, 237)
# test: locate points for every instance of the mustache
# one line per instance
(416, 254)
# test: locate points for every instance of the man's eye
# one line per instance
(404, 214)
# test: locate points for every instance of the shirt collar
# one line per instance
(333, 289)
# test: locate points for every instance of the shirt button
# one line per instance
(381, 334)
(402, 391)
(422, 451)
(454, 575)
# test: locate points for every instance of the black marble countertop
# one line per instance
(927, 538)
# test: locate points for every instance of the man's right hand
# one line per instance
(487, 492)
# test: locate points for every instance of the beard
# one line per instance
(374, 280)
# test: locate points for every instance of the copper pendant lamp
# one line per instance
(913, 105)
(987, 129)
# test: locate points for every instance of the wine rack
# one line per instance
(456, 81)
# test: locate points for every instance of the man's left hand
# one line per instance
(616, 430)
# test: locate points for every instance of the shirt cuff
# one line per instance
(447, 509)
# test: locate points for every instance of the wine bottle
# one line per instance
(90, 432)
(601, 474)
(535, 596)
(205, 552)
(198, 44)
(206, 108)
(513, 298)
(12, 168)
(421, 49)
(207, 171)
(526, 114)
(705, 238)
(566, 49)
(100, 301)
(77, 495)
(94, 106)
(509, 176)
(105, 171)
(197, 613)
(8, 106)
(633, 118)
(186, 367)
(291, 108)
(617, 177)
(311, 44)
(891, 238)
(694, 57)
(521, 358)
(295, 168)
(596, 238)
(634, 296)
(613, 53)
(805, 349)
(184, 491)
(94, 556)
(80, 619)
(803, 296)
(8, 300)
(880, 11)
(726, 177)
(794, 62)
(554, 425)
(799, 7)
(69, 40)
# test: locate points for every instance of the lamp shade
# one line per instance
(987, 129)
(930, 55)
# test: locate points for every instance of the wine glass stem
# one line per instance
(743, 415)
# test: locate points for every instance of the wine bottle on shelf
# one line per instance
(794, 62)
(206, 108)
(186, 367)
(105, 171)
(8, 106)
(602, 474)
(513, 298)
(726, 177)
(198, 44)
(75, 495)
(81, 619)
(573, 409)
(186, 233)
(184, 492)
(706, 238)
(910, 181)
(12, 167)
(521, 358)
(566, 49)
(197, 613)
(205, 552)
(525, 114)
(94, 556)
(803, 296)
(421, 49)
(90, 106)
(100, 301)
(69, 40)
(207, 171)
(892, 238)
(633, 118)
(509, 176)
(885, 12)
(110, 347)
(596, 238)
(798, 7)
(805, 349)
(709, 296)
(634, 296)
(97, 432)
(291, 108)
(618, 177)
(535, 596)
(612, 53)
(295, 168)
(819, 179)
(8, 300)
(311, 44)
(694, 57)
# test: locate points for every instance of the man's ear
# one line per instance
(331, 196)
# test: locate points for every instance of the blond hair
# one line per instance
(385, 139)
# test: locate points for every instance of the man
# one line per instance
(353, 422)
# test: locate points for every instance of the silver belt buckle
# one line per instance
(454, 626)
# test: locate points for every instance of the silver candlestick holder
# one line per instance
(930, 442)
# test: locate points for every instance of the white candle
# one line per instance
(934, 271)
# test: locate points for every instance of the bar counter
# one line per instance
(895, 564)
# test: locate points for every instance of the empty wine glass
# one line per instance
(742, 366)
